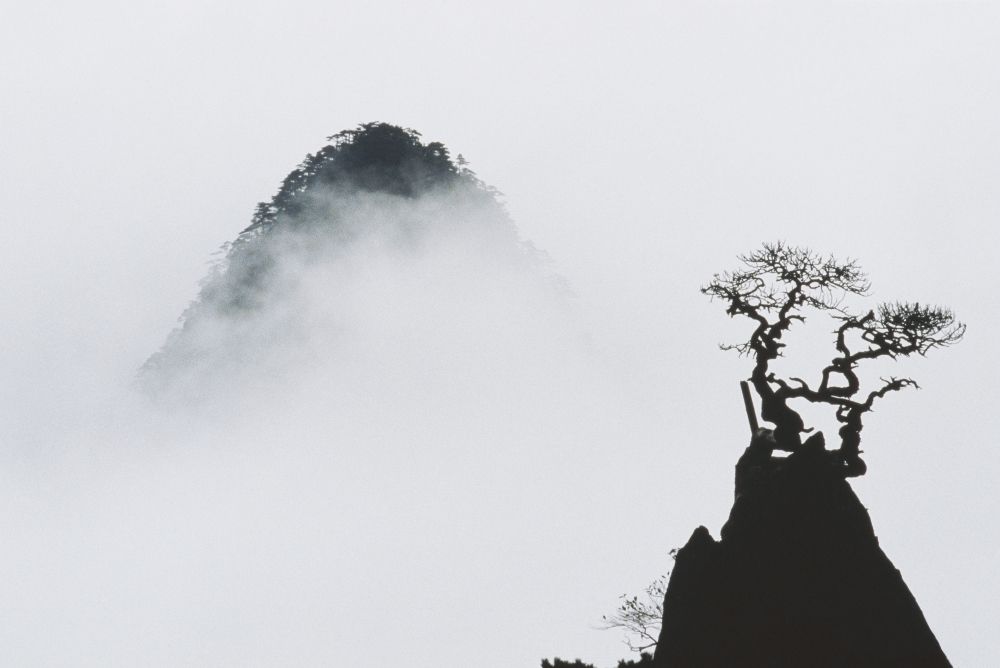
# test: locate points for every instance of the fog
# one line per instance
(400, 432)
(461, 447)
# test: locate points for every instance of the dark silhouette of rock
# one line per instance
(797, 579)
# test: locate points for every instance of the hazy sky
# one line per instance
(487, 479)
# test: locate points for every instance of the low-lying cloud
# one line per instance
(357, 446)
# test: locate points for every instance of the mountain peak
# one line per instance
(797, 579)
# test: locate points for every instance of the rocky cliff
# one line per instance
(797, 579)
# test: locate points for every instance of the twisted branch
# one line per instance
(778, 282)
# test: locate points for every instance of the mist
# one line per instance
(398, 432)
(443, 446)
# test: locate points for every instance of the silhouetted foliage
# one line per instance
(373, 158)
(778, 282)
(644, 660)
(375, 164)
(640, 616)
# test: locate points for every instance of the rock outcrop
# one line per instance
(798, 579)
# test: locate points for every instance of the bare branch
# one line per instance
(640, 618)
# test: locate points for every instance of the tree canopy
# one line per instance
(374, 157)
(773, 289)
(371, 179)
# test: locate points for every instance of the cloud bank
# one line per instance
(373, 422)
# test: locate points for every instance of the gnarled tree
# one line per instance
(777, 284)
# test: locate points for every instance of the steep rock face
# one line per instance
(798, 579)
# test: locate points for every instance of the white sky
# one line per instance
(642, 145)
